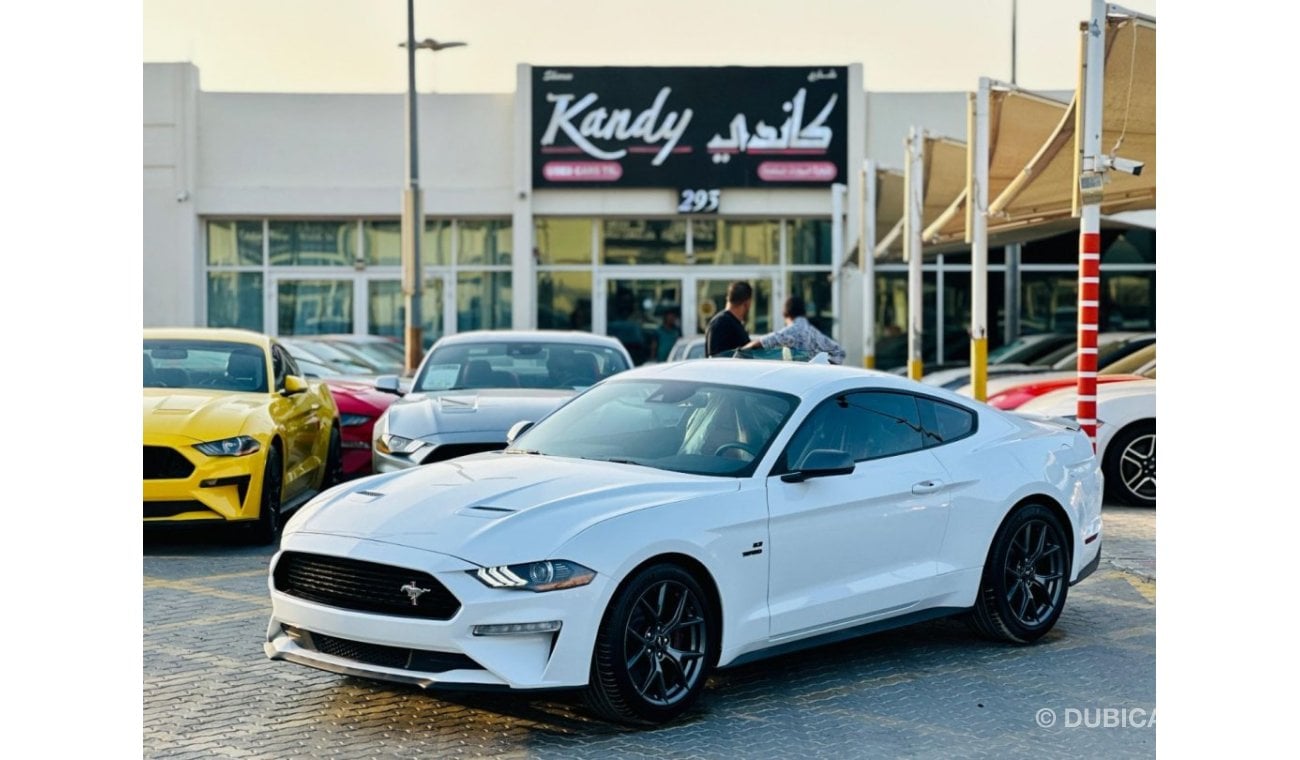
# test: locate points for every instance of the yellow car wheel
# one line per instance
(267, 528)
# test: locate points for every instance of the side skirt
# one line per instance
(846, 634)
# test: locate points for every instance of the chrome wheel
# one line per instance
(1137, 466)
(1035, 573)
(665, 643)
(1130, 464)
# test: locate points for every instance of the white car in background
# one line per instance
(472, 386)
(1126, 435)
(686, 516)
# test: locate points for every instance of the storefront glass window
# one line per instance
(484, 242)
(313, 244)
(235, 243)
(564, 300)
(891, 319)
(638, 316)
(235, 300)
(563, 241)
(640, 241)
(1128, 301)
(811, 241)
(731, 243)
(314, 307)
(956, 314)
(387, 309)
(384, 243)
(483, 301)
(1048, 302)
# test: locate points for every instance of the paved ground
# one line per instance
(932, 690)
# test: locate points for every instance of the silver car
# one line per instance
(473, 387)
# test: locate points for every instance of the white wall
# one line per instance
(170, 225)
(312, 155)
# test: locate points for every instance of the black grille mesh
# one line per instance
(363, 586)
(172, 508)
(162, 463)
(391, 657)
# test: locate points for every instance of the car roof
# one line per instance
(227, 334)
(531, 336)
(797, 378)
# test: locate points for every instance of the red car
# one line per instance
(360, 404)
(1013, 397)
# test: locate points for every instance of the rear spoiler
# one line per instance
(1069, 423)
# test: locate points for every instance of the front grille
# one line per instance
(363, 586)
(171, 508)
(389, 657)
(453, 450)
(162, 463)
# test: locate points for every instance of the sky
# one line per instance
(351, 45)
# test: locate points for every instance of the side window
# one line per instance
(944, 422)
(866, 424)
(291, 365)
(883, 424)
(824, 428)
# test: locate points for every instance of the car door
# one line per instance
(299, 416)
(850, 548)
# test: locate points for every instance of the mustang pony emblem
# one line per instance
(414, 592)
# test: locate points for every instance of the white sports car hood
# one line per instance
(496, 508)
(421, 415)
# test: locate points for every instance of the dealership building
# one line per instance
(591, 198)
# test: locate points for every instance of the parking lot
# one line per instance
(926, 691)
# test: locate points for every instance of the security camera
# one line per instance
(1126, 165)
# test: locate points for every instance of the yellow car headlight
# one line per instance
(239, 446)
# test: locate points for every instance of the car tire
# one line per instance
(333, 461)
(1026, 578)
(1130, 465)
(269, 520)
(655, 648)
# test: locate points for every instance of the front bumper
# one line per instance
(219, 489)
(438, 653)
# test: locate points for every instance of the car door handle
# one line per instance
(927, 486)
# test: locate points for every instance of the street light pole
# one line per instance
(412, 212)
(413, 201)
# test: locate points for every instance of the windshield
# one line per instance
(676, 425)
(499, 364)
(204, 364)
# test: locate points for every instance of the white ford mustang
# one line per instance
(682, 517)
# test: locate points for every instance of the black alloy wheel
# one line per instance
(1026, 578)
(267, 528)
(655, 648)
(1130, 466)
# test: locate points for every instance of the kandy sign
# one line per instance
(689, 127)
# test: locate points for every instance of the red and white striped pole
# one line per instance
(1091, 180)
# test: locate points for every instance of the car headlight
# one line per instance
(353, 420)
(396, 444)
(547, 575)
(239, 446)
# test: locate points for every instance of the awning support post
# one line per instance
(978, 202)
(867, 262)
(1090, 221)
(914, 184)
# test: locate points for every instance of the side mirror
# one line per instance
(517, 429)
(821, 463)
(388, 384)
(293, 385)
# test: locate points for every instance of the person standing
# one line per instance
(799, 334)
(666, 335)
(726, 331)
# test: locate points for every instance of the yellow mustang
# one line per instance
(232, 431)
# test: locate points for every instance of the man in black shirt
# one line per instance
(726, 331)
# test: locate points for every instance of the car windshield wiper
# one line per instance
(621, 460)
